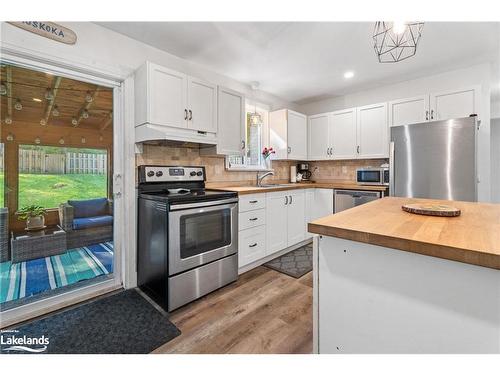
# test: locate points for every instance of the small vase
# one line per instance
(267, 163)
(35, 222)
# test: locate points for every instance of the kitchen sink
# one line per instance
(273, 185)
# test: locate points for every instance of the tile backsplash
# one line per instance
(341, 170)
(328, 170)
(214, 165)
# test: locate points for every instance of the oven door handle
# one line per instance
(176, 207)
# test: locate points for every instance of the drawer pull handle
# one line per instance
(253, 201)
(253, 245)
(253, 218)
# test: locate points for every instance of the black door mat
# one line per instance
(296, 263)
(123, 323)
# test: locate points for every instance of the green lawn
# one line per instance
(48, 190)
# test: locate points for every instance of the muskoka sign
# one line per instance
(49, 30)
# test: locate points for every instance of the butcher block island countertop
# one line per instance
(473, 237)
(241, 190)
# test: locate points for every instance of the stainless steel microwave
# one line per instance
(372, 176)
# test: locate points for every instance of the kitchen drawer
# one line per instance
(251, 219)
(251, 245)
(252, 202)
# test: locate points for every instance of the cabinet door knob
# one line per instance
(253, 245)
(242, 145)
(432, 114)
(253, 218)
(427, 115)
(253, 201)
(289, 149)
(357, 149)
(185, 114)
(190, 115)
(286, 200)
(291, 200)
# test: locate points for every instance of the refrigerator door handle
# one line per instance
(391, 169)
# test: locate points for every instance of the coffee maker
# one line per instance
(303, 169)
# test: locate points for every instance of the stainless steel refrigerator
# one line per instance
(434, 160)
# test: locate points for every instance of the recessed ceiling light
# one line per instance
(37, 100)
(348, 74)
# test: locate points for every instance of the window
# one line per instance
(49, 175)
(254, 140)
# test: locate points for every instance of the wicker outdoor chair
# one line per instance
(87, 222)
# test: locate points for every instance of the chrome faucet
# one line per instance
(260, 178)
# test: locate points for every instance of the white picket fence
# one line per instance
(37, 161)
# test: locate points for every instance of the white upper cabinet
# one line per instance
(161, 96)
(409, 111)
(453, 104)
(319, 142)
(202, 105)
(167, 98)
(288, 134)
(342, 135)
(231, 122)
(297, 136)
(373, 139)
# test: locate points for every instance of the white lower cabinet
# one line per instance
(309, 196)
(296, 217)
(271, 222)
(276, 221)
(251, 245)
(323, 203)
(318, 203)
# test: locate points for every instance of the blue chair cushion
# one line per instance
(90, 207)
(92, 222)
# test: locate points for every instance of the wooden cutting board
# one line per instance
(431, 209)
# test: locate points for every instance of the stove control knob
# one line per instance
(151, 174)
(199, 173)
(193, 173)
(159, 174)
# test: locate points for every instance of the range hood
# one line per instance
(147, 133)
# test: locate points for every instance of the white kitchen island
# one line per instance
(387, 281)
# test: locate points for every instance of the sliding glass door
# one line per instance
(57, 215)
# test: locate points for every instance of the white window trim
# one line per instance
(250, 104)
(124, 169)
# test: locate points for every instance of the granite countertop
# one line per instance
(473, 237)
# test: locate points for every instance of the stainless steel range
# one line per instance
(187, 235)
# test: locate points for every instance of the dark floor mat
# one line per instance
(296, 263)
(121, 323)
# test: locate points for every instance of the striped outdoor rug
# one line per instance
(28, 278)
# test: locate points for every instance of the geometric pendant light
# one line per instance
(396, 41)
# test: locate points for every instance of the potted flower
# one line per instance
(266, 153)
(34, 216)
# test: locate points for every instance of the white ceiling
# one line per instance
(302, 62)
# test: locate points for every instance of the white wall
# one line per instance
(495, 160)
(114, 53)
(477, 75)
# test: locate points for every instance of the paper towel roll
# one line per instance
(293, 173)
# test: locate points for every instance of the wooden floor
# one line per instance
(265, 311)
